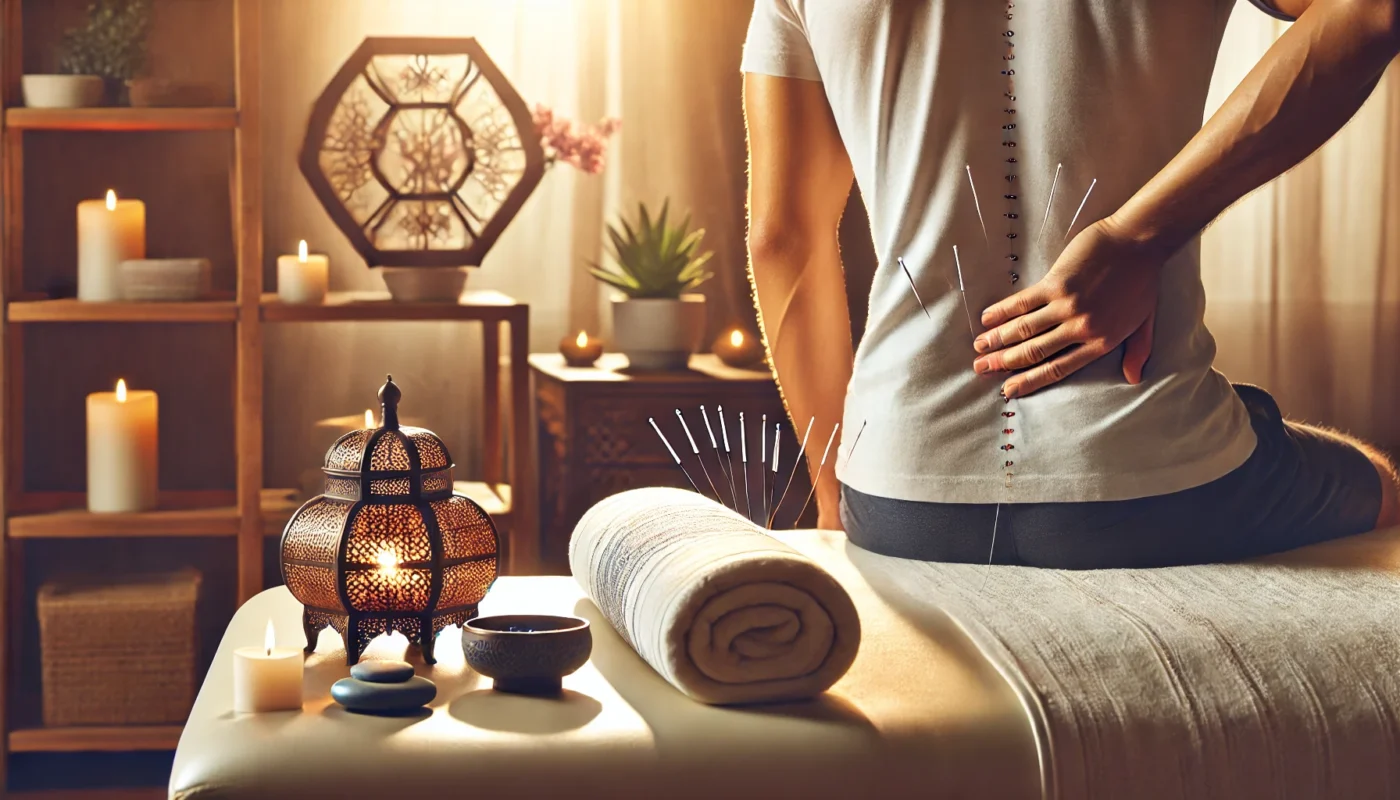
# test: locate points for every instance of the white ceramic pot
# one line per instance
(425, 284)
(63, 91)
(659, 334)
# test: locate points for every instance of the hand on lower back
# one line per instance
(1101, 292)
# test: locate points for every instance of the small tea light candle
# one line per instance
(304, 277)
(110, 231)
(267, 678)
(738, 349)
(581, 350)
(122, 447)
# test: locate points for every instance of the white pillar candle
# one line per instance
(122, 443)
(304, 277)
(267, 678)
(109, 232)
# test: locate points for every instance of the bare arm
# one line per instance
(1103, 288)
(799, 179)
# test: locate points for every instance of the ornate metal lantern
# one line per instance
(388, 546)
(421, 152)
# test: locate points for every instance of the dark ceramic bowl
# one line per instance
(524, 653)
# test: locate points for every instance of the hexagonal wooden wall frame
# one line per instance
(330, 99)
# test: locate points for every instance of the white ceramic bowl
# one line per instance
(62, 91)
(425, 284)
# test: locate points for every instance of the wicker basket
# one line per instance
(119, 652)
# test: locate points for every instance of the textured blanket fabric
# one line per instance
(1276, 679)
(722, 610)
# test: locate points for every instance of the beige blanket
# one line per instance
(1276, 679)
(723, 611)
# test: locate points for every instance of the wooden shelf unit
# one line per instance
(121, 119)
(247, 513)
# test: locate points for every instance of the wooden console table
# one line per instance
(594, 439)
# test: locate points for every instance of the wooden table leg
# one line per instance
(524, 556)
(492, 462)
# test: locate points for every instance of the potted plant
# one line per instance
(657, 323)
(105, 52)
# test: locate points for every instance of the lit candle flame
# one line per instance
(582, 340)
(369, 418)
(121, 390)
(111, 200)
(737, 338)
(270, 638)
(301, 251)
(388, 563)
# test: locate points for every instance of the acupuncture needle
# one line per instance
(715, 445)
(801, 451)
(684, 471)
(696, 451)
(963, 291)
(1049, 202)
(821, 467)
(777, 443)
(978, 205)
(728, 454)
(744, 459)
(1081, 207)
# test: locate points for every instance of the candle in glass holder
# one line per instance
(267, 678)
(110, 231)
(738, 349)
(122, 446)
(303, 278)
(581, 350)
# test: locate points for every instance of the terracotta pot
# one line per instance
(63, 91)
(659, 333)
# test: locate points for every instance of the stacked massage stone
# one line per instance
(385, 688)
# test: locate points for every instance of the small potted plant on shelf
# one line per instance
(101, 54)
(657, 323)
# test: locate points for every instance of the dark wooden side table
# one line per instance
(594, 439)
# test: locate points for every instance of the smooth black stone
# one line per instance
(382, 671)
(375, 698)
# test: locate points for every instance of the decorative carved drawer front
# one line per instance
(594, 439)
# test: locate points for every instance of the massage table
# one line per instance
(932, 707)
(919, 714)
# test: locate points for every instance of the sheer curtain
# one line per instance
(1303, 276)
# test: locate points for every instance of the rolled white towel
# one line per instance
(722, 610)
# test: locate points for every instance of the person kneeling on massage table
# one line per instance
(1058, 146)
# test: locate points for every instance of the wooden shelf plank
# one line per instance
(122, 119)
(110, 739)
(73, 310)
(487, 306)
(79, 523)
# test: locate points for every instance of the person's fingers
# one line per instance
(1027, 353)
(1023, 302)
(1051, 372)
(1137, 349)
(1019, 329)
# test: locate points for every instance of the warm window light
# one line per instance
(369, 418)
(121, 390)
(301, 251)
(269, 638)
(388, 562)
(736, 338)
(111, 200)
(582, 340)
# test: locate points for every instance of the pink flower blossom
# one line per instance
(581, 146)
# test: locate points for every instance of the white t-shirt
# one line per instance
(1109, 89)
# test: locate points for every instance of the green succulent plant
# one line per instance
(654, 259)
(111, 43)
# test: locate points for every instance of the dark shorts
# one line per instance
(1299, 487)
